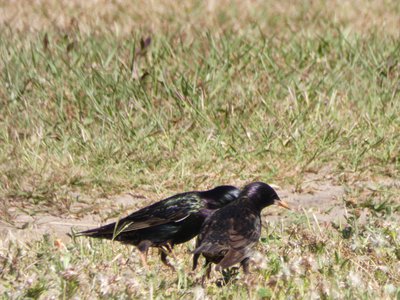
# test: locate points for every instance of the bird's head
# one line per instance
(262, 195)
(220, 196)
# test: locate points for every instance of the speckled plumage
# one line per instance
(228, 236)
(166, 223)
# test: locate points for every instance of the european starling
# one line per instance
(227, 236)
(171, 221)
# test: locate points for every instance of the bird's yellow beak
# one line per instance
(282, 203)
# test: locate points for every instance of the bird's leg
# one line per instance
(163, 248)
(168, 246)
(195, 261)
(143, 251)
(143, 257)
(207, 267)
(208, 270)
(246, 270)
(245, 265)
(164, 259)
(129, 257)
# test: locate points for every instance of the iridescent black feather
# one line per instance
(171, 221)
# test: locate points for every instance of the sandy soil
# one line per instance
(320, 200)
(324, 200)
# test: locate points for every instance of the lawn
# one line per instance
(106, 106)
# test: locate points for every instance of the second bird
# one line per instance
(228, 236)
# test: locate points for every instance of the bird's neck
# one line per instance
(253, 205)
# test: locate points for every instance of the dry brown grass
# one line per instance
(272, 17)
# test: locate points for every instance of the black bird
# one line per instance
(171, 221)
(227, 236)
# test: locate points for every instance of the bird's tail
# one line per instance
(103, 232)
(201, 248)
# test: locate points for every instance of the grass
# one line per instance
(302, 258)
(97, 99)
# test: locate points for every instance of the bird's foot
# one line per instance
(168, 264)
(143, 257)
(164, 259)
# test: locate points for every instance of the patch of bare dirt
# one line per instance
(321, 200)
(27, 227)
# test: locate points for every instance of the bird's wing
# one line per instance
(173, 209)
(229, 234)
(239, 247)
(212, 237)
(232, 257)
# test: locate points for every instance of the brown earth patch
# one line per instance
(324, 200)
(320, 200)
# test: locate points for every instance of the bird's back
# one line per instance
(158, 223)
